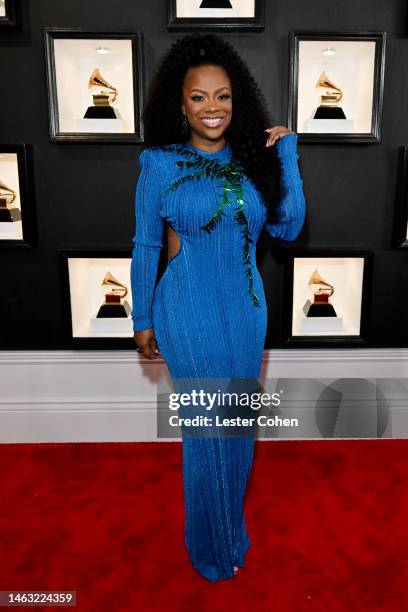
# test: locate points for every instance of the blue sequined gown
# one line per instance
(207, 325)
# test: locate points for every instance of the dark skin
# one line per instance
(207, 105)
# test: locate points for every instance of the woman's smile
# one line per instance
(213, 122)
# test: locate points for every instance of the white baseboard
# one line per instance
(110, 396)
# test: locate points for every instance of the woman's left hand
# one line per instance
(275, 133)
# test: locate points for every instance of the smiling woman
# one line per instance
(212, 175)
(207, 105)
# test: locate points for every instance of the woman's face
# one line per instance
(207, 103)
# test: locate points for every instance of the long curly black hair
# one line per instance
(162, 116)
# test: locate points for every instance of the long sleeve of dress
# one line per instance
(147, 240)
(292, 209)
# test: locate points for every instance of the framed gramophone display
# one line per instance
(231, 15)
(327, 297)
(336, 82)
(8, 13)
(400, 237)
(95, 85)
(97, 296)
(17, 222)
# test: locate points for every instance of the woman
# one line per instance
(213, 174)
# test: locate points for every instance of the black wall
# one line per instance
(84, 192)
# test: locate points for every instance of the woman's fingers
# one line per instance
(273, 138)
(146, 343)
(275, 133)
(149, 352)
(153, 345)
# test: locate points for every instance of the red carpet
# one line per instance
(328, 521)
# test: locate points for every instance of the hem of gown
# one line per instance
(240, 560)
(213, 575)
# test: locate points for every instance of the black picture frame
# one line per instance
(379, 37)
(27, 197)
(88, 342)
(136, 37)
(400, 234)
(324, 341)
(10, 19)
(237, 24)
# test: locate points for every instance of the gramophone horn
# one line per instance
(97, 80)
(325, 83)
(7, 193)
(316, 279)
(110, 281)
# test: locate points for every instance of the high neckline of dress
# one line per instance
(225, 150)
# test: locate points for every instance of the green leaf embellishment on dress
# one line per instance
(232, 175)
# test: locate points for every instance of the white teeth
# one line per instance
(213, 122)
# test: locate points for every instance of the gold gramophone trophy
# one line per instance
(321, 290)
(8, 213)
(115, 305)
(330, 97)
(103, 97)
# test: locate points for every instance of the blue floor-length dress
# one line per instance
(206, 322)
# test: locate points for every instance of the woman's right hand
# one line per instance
(146, 343)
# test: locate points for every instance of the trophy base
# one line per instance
(108, 328)
(100, 112)
(217, 4)
(10, 215)
(115, 125)
(319, 326)
(329, 126)
(114, 311)
(319, 310)
(329, 112)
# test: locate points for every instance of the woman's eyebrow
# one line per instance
(203, 90)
